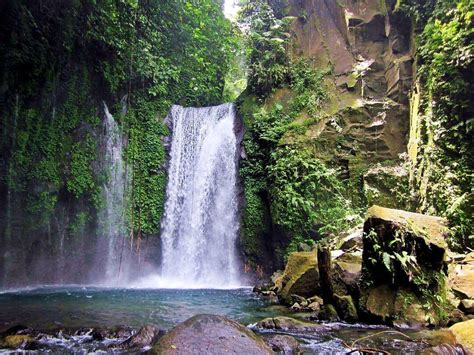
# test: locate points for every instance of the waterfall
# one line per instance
(113, 218)
(200, 224)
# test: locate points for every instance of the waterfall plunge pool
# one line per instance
(55, 309)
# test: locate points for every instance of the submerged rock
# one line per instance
(146, 336)
(210, 334)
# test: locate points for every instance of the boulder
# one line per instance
(283, 344)
(328, 313)
(288, 323)
(396, 306)
(464, 334)
(345, 308)
(404, 256)
(210, 334)
(145, 337)
(300, 276)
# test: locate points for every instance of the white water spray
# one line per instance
(200, 225)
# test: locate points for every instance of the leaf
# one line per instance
(387, 261)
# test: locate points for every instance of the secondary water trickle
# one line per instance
(200, 225)
(114, 192)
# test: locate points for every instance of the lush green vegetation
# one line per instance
(59, 60)
(305, 196)
(446, 116)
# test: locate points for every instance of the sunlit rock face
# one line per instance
(367, 46)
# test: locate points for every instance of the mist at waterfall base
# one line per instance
(201, 223)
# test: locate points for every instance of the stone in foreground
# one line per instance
(210, 334)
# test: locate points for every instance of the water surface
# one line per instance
(53, 307)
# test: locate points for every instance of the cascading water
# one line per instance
(114, 189)
(200, 224)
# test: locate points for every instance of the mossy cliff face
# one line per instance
(441, 130)
(350, 114)
(367, 47)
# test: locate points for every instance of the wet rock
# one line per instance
(271, 295)
(464, 334)
(345, 308)
(146, 336)
(328, 313)
(210, 334)
(296, 307)
(283, 344)
(467, 306)
(300, 276)
(287, 323)
(16, 341)
(346, 273)
(382, 183)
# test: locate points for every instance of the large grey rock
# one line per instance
(210, 334)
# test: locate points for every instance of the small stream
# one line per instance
(68, 314)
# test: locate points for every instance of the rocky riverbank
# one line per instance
(212, 334)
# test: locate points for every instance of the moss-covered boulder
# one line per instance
(210, 334)
(404, 267)
(346, 308)
(301, 276)
(16, 341)
(464, 334)
(396, 306)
